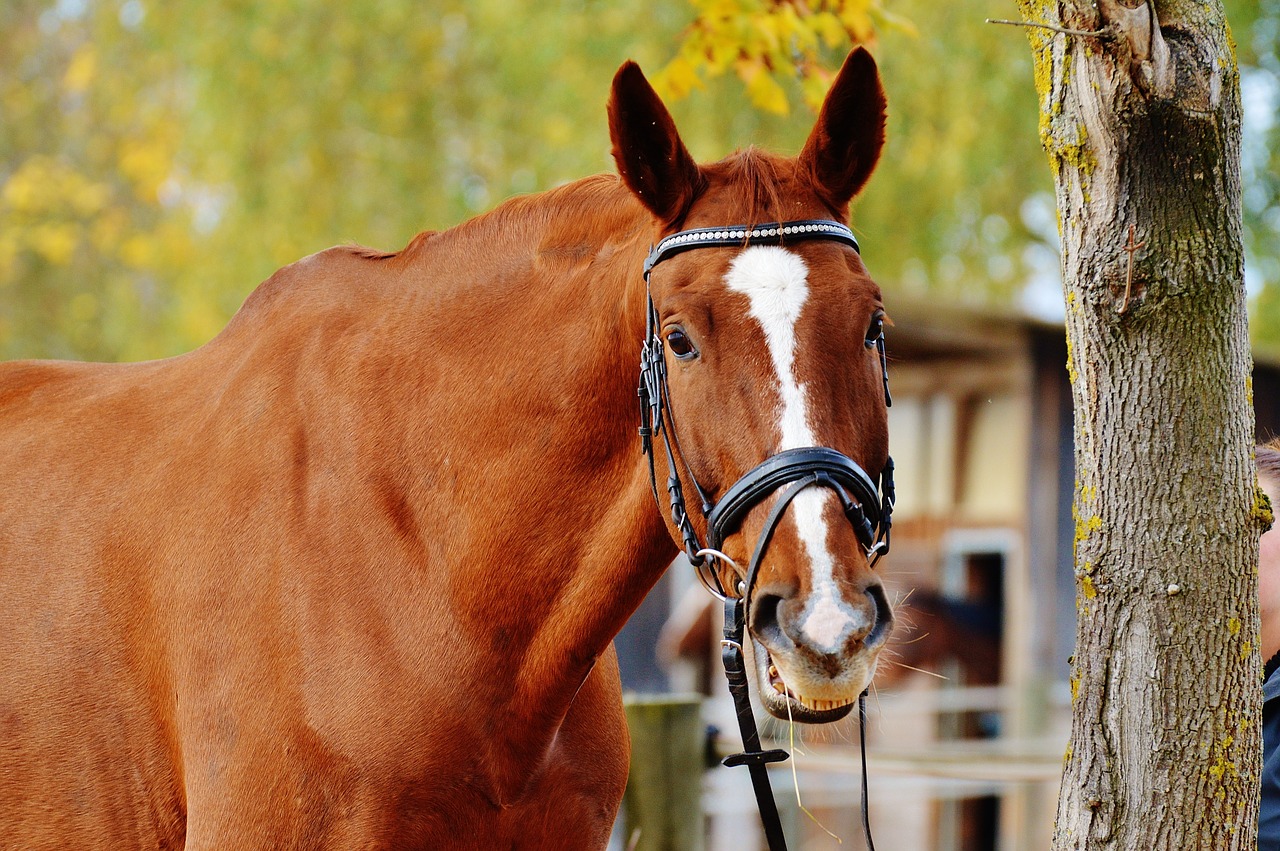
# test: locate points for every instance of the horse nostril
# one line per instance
(882, 615)
(764, 619)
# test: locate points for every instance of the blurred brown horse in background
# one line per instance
(348, 575)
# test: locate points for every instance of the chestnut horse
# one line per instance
(348, 575)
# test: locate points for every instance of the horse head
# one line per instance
(769, 345)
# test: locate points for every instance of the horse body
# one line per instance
(298, 601)
(348, 574)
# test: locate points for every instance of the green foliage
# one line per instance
(158, 160)
(1256, 27)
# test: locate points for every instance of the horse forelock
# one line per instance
(758, 178)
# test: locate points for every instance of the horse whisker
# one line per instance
(875, 693)
(920, 637)
(919, 670)
(795, 779)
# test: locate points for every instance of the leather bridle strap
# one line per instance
(859, 496)
(753, 757)
(741, 236)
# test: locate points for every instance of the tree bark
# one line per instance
(1141, 123)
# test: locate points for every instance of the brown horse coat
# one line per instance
(347, 575)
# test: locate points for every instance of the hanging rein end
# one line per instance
(735, 670)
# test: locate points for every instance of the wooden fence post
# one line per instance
(664, 789)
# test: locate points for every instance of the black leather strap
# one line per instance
(741, 236)
(753, 756)
(859, 494)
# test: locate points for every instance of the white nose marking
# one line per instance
(827, 621)
(777, 284)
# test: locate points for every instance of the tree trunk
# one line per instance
(1142, 127)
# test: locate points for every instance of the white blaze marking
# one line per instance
(776, 282)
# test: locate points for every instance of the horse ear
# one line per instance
(845, 144)
(651, 158)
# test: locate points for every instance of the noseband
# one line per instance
(867, 507)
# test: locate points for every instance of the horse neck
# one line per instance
(559, 524)
(588, 540)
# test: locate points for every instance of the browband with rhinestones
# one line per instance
(772, 233)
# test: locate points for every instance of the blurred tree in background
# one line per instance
(158, 160)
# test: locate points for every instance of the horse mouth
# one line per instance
(781, 701)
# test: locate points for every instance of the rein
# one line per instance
(867, 506)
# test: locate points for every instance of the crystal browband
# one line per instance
(772, 233)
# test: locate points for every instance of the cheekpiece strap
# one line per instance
(741, 236)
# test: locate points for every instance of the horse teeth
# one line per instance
(773, 670)
(779, 688)
(819, 705)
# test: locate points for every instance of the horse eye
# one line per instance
(876, 329)
(680, 344)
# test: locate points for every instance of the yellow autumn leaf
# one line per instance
(727, 9)
(54, 241)
(795, 30)
(763, 89)
(767, 29)
(855, 16)
(722, 49)
(81, 70)
(827, 27)
(677, 79)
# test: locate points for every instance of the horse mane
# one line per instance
(600, 203)
(597, 202)
(366, 253)
(571, 223)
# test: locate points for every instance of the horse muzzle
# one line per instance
(813, 657)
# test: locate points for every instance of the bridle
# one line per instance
(867, 507)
